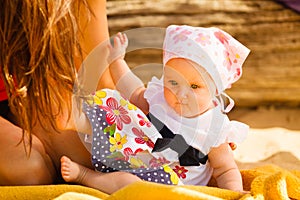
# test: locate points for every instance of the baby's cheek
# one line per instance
(170, 96)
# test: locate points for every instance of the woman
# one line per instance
(42, 45)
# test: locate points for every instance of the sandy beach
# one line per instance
(274, 137)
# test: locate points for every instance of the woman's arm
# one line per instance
(225, 171)
(93, 32)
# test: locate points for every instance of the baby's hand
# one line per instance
(118, 49)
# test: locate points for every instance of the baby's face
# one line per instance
(185, 89)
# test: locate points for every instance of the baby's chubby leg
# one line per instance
(105, 182)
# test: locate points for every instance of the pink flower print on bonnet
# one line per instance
(216, 51)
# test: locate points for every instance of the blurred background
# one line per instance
(268, 94)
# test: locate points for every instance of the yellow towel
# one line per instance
(76, 196)
(45, 192)
(272, 182)
(148, 190)
(266, 182)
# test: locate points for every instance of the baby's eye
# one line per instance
(172, 82)
(194, 86)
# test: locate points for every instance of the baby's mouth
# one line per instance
(181, 103)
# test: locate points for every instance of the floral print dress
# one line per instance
(123, 139)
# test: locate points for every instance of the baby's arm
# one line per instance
(225, 171)
(128, 84)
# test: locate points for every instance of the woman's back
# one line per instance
(40, 48)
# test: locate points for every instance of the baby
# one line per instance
(184, 138)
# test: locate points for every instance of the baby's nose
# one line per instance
(182, 93)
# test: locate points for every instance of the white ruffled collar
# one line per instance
(201, 132)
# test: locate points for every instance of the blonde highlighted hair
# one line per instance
(38, 43)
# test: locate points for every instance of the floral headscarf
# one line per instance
(216, 51)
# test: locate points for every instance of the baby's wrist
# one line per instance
(117, 61)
